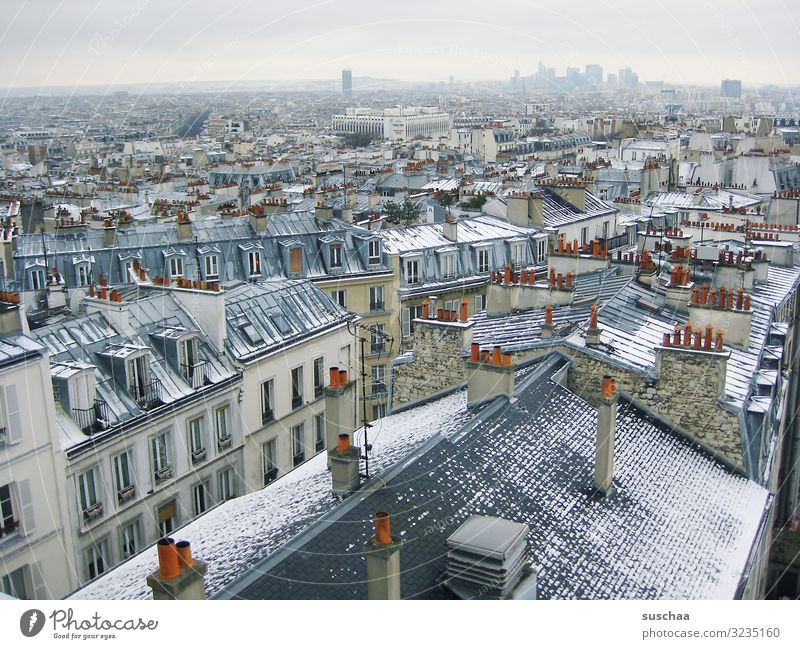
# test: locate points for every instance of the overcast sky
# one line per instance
(69, 42)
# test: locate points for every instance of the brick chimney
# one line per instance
(179, 576)
(490, 374)
(383, 560)
(340, 407)
(604, 445)
(723, 309)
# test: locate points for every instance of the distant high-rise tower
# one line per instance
(347, 82)
(731, 88)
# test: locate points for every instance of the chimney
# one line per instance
(340, 407)
(383, 560)
(450, 228)
(323, 211)
(593, 331)
(344, 463)
(179, 576)
(184, 225)
(723, 309)
(606, 426)
(258, 219)
(109, 233)
(547, 327)
(12, 315)
(110, 304)
(492, 375)
(208, 307)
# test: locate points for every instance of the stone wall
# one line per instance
(437, 363)
(685, 393)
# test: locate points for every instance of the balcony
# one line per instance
(148, 395)
(92, 420)
(195, 374)
(163, 474)
(9, 528)
(92, 513)
(126, 494)
(198, 456)
(224, 443)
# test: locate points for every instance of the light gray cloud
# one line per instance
(105, 41)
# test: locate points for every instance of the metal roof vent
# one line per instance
(488, 558)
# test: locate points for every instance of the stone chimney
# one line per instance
(184, 225)
(208, 307)
(383, 560)
(12, 315)
(179, 576)
(111, 304)
(258, 218)
(606, 427)
(323, 211)
(490, 374)
(344, 464)
(450, 228)
(109, 233)
(340, 408)
(725, 310)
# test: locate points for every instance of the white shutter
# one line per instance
(405, 322)
(40, 590)
(13, 421)
(26, 506)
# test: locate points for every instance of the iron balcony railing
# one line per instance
(267, 415)
(91, 420)
(224, 443)
(148, 395)
(376, 306)
(9, 527)
(198, 456)
(270, 475)
(163, 474)
(297, 401)
(92, 513)
(195, 374)
(125, 494)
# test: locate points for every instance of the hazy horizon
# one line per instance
(140, 42)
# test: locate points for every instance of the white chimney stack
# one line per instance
(606, 427)
(383, 561)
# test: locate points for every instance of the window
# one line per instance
(197, 446)
(226, 485)
(212, 266)
(378, 379)
(374, 252)
(10, 522)
(295, 260)
(221, 428)
(518, 254)
(201, 498)
(267, 402)
(159, 457)
(37, 279)
(584, 235)
(97, 559)
(407, 317)
(166, 518)
(448, 265)
(319, 375)
(605, 230)
(480, 303)
(269, 456)
(378, 339)
(175, 267)
(541, 250)
(297, 387)
(254, 263)
(483, 260)
(340, 298)
(130, 538)
(298, 449)
(378, 410)
(376, 298)
(127, 269)
(319, 432)
(83, 275)
(336, 256)
(412, 271)
(123, 477)
(87, 495)
(15, 584)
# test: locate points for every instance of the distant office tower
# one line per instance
(594, 75)
(731, 88)
(347, 82)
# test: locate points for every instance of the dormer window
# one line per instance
(83, 269)
(412, 271)
(447, 263)
(336, 256)
(518, 256)
(84, 275)
(254, 263)
(296, 261)
(37, 277)
(211, 267)
(175, 267)
(483, 259)
(374, 251)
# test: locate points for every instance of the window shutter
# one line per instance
(165, 512)
(26, 506)
(40, 590)
(405, 321)
(13, 420)
(295, 260)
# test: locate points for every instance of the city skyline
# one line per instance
(113, 43)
